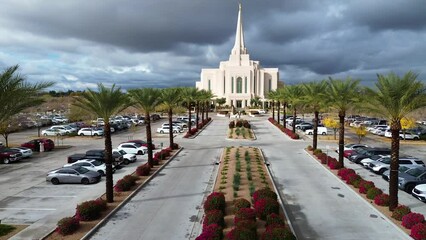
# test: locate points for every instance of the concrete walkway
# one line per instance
(320, 205)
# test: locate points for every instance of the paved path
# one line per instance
(320, 205)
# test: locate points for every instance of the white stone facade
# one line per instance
(239, 79)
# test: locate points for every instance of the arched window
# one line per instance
(239, 85)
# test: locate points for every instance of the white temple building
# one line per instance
(239, 79)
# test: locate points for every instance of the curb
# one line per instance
(200, 130)
(280, 198)
(296, 140)
(358, 196)
(107, 217)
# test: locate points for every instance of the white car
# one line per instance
(63, 128)
(174, 123)
(419, 192)
(166, 129)
(321, 131)
(90, 164)
(409, 136)
(262, 111)
(53, 132)
(90, 132)
(127, 157)
(133, 148)
(26, 152)
(366, 162)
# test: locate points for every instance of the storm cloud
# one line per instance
(162, 43)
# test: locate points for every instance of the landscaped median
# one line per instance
(240, 129)
(287, 131)
(412, 223)
(243, 206)
(193, 132)
(90, 215)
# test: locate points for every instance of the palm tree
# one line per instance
(208, 96)
(293, 94)
(189, 95)
(282, 95)
(394, 99)
(313, 95)
(342, 95)
(272, 95)
(146, 99)
(104, 103)
(170, 98)
(16, 94)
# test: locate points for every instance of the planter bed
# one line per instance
(244, 183)
(240, 129)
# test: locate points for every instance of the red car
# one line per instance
(142, 143)
(34, 144)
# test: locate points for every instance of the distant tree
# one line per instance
(170, 99)
(189, 95)
(361, 132)
(221, 101)
(255, 101)
(333, 124)
(407, 123)
(6, 128)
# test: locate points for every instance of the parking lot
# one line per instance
(26, 197)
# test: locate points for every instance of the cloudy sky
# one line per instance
(162, 43)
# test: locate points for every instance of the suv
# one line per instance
(8, 155)
(408, 180)
(381, 166)
(34, 144)
(99, 154)
(368, 152)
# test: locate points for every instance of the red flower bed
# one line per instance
(211, 232)
(231, 124)
(143, 170)
(249, 224)
(418, 231)
(382, 199)
(364, 186)
(322, 157)
(278, 233)
(266, 206)
(352, 178)
(344, 172)
(125, 183)
(245, 214)
(163, 154)
(373, 192)
(239, 233)
(333, 163)
(241, 203)
(411, 219)
(289, 133)
(213, 217)
(67, 225)
(215, 201)
(400, 211)
(90, 210)
(274, 220)
(264, 193)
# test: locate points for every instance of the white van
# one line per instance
(321, 130)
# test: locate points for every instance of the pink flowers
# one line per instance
(382, 199)
(411, 219)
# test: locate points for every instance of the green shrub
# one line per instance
(241, 234)
(274, 219)
(317, 151)
(400, 211)
(215, 201)
(264, 193)
(373, 192)
(90, 210)
(266, 206)
(68, 225)
(278, 233)
(241, 203)
(6, 229)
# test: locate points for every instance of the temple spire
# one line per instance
(239, 47)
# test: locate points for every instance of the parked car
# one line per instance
(133, 148)
(321, 131)
(175, 124)
(381, 166)
(419, 192)
(401, 169)
(90, 132)
(53, 132)
(366, 162)
(73, 174)
(7, 155)
(34, 144)
(166, 129)
(304, 126)
(90, 164)
(63, 128)
(26, 152)
(408, 180)
(100, 155)
(409, 136)
(142, 143)
(155, 117)
(363, 153)
(127, 157)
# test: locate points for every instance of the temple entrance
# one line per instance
(239, 103)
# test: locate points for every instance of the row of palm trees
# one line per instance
(106, 102)
(392, 98)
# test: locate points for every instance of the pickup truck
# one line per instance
(98, 154)
(7, 155)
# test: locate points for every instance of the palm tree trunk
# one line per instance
(278, 113)
(108, 163)
(197, 118)
(273, 110)
(315, 139)
(170, 128)
(284, 115)
(393, 180)
(341, 137)
(149, 138)
(207, 109)
(189, 117)
(294, 120)
(203, 107)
